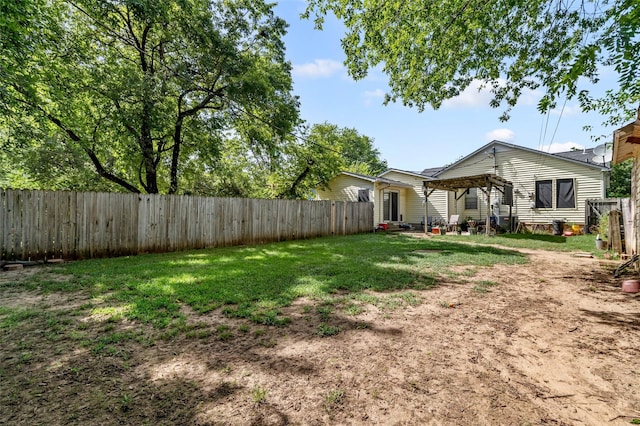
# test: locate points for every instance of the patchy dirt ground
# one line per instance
(552, 342)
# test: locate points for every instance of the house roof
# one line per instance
(573, 156)
(378, 179)
(432, 171)
(406, 172)
(583, 155)
(359, 176)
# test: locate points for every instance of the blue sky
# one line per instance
(407, 139)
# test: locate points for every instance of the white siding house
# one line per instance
(414, 207)
(546, 187)
(389, 196)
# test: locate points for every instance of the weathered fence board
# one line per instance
(37, 225)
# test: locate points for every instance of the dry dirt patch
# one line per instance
(551, 342)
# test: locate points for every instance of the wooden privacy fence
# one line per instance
(595, 208)
(36, 225)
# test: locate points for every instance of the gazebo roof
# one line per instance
(466, 182)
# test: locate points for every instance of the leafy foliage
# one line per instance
(620, 180)
(325, 151)
(289, 168)
(141, 92)
(432, 51)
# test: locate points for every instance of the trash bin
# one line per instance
(558, 227)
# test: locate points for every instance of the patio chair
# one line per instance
(453, 222)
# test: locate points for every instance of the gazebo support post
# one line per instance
(488, 228)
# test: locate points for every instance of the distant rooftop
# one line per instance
(585, 155)
(430, 172)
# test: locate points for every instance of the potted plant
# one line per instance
(473, 230)
(443, 230)
(603, 231)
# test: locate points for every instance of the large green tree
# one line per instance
(292, 168)
(321, 153)
(432, 50)
(143, 92)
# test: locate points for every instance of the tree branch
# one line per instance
(76, 138)
(291, 191)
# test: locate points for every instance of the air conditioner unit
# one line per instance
(503, 222)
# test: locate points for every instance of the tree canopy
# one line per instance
(140, 92)
(431, 51)
(290, 169)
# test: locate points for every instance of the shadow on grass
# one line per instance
(127, 383)
(255, 282)
(556, 239)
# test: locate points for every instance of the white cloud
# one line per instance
(560, 147)
(370, 95)
(477, 95)
(378, 93)
(504, 135)
(319, 68)
(567, 110)
(473, 95)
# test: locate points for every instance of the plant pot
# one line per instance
(473, 231)
(601, 244)
(630, 286)
(443, 231)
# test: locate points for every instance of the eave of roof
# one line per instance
(378, 179)
(406, 172)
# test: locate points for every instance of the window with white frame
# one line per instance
(363, 196)
(471, 199)
(544, 194)
(565, 194)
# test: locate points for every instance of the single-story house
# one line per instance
(546, 187)
(394, 194)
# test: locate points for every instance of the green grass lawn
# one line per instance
(256, 282)
(581, 243)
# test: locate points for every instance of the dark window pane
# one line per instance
(565, 194)
(394, 206)
(471, 199)
(543, 194)
(363, 196)
(385, 206)
(507, 198)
